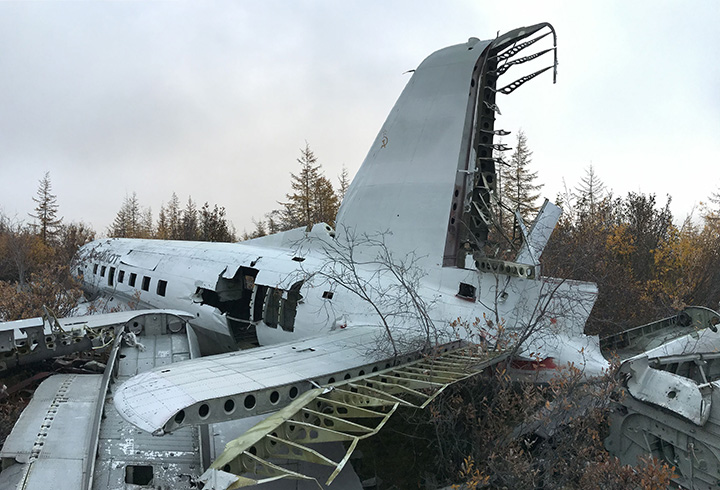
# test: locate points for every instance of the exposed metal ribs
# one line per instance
(640, 339)
(347, 411)
(26, 341)
(478, 188)
(45, 338)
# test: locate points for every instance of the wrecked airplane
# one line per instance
(269, 359)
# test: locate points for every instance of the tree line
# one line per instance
(312, 199)
(173, 222)
(645, 264)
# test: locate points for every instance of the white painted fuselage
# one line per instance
(282, 288)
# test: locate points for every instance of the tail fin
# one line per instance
(429, 177)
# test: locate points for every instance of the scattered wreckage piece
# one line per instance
(69, 427)
(346, 411)
(669, 407)
(641, 339)
(24, 342)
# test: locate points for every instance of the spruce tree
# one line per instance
(189, 221)
(519, 188)
(174, 218)
(344, 180)
(299, 208)
(589, 193)
(147, 226)
(325, 202)
(213, 225)
(128, 220)
(163, 231)
(46, 210)
(313, 199)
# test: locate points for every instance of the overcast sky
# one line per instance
(215, 99)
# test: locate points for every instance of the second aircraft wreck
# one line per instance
(269, 359)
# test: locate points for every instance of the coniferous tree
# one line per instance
(298, 211)
(189, 221)
(147, 227)
(174, 218)
(46, 210)
(162, 231)
(344, 180)
(127, 222)
(313, 199)
(520, 191)
(325, 202)
(213, 225)
(589, 193)
(273, 224)
(259, 231)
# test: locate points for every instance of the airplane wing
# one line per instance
(346, 411)
(241, 384)
(245, 383)
(70, 437)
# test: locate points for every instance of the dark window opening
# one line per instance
(231, 296)
(146, 283)
(289, 307)
(259, 302)
(121, 275)
(272, 307)
(111, 276)
(466, 291)
(328, 295)
(161, 287)
(139, 475)
(79, 272)
(95, 266)
(131, 282)
(102, 271)
(298, 259)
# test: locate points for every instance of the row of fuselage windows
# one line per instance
(132, 278)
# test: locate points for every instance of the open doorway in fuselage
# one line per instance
(233, 296)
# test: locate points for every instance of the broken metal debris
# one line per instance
(669, 403)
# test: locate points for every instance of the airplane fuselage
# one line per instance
(285, 288)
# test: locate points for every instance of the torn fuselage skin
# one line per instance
(227, 308)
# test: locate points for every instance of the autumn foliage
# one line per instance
(646, 266)
(489, 432)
